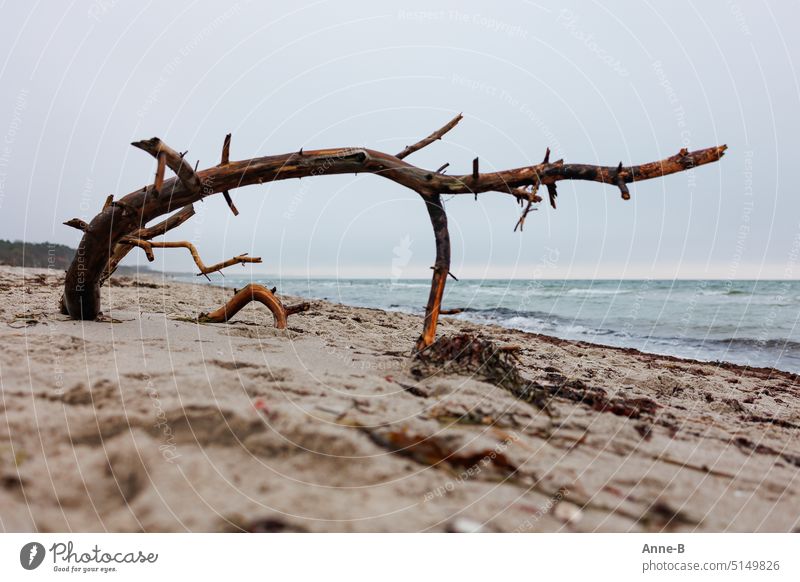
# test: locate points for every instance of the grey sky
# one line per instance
(632, 81)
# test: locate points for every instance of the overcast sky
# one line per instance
(630, 81)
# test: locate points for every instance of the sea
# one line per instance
(753, 323)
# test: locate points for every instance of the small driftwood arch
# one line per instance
(121, 224)
(254, 292)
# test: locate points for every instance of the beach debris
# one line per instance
(469, 355)
(23, 323)
(131, 282)
(254, 292)
(770, 420)
(644, 430)
(413, 390)
(748, 447)
(734, 405)
(470, 417)
(576, 390)
(444, 448)
(103, 318)
(273, 525)
(418, 391)
(266, 524)
(454, 311)
(663, 516)
(338, 410)
(28, 315)
(11, 481)
(118, 228)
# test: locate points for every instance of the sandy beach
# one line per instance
(149, 421)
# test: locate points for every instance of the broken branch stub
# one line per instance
(436, 135)
(107, 238)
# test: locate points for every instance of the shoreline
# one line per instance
(465, 316)
(156, 423)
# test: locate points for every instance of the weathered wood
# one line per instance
(254, 292)
(454, 311)
(160, 169)
(148, 246)
(102, 245)
(122, 249)
(176, 162)
(441, 268)
(81, 225)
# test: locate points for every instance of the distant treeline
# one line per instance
(35, 255)
(42, 256)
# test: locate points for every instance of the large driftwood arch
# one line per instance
(120, 226)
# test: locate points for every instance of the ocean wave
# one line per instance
(599, 292)
(770, 344)
(548, 323)
(683, 318)
(719, 292)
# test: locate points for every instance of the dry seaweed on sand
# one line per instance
(471, 355)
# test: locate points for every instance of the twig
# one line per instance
(436, 135)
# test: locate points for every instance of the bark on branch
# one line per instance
(104, 242)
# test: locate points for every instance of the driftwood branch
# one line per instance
(441, 268)
(148, 246)
(530, 197)
(253, 292)
(172, 221)
(122, 249)
(109, 235)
